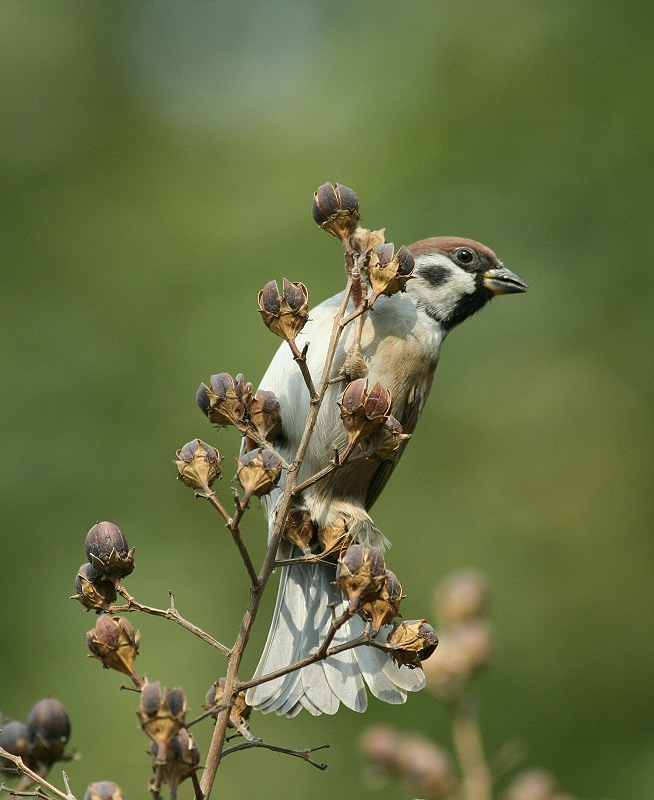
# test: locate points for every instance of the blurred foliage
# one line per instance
(158, 162)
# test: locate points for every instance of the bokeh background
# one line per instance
(157, 166)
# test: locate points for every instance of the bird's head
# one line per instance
(455, 277)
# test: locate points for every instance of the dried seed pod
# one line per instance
(14, 738)
(258, 472)
(363, 412)
(104, 790)
(336, 209)
(48, 731)
(198, 465)
(360, 574)
(114, 643)
(334, 538)
(161, 717)
(94, 591)
(412, 642)
(363, 240)
(182, 758)
(379, 744)
(264, 415)
(227, 401)
(107, 550)
(299, 528)
(388, 272)
(385, 445)
(284, 316)
(383, 609)
(533, 784)
(239, 713)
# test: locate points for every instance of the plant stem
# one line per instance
(466, 734)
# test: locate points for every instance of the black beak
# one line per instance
(501, 280)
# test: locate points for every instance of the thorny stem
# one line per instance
(303, 754)
(477, 780)
(34, 778)
(256, 591)
(169, 613)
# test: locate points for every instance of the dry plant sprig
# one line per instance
(36, 779)
(303, 754)
(169, 613)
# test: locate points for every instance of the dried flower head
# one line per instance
(363, 240)
(363, 412)
(258, 472)
(264, 415)
(161, 717)
(114, 643)
(104, 790)
(14, 738)
(239, 713)
(94, 591)
(412, 642)
(227, 401)
(334, 538)
(360, 574)
(383, 609)
(284, 315)
(533, 784)
(336, 210)
(182, 758)
(387, 443)
(107, 550)
(388, 271)
(198, 465)
(48, 731)
(299, 529)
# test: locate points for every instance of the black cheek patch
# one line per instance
(435, 275)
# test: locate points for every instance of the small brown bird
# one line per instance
(400, 343)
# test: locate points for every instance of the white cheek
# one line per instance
(458, 284)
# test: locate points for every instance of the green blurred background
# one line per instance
(157, 167)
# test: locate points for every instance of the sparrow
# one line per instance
(400, 343)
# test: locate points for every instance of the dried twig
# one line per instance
(36, 779)
(303, 754)
(169, 613)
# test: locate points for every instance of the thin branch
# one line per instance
(303, 754)
(300, 359)
(169, 613)
(232, 524)
(34, 777)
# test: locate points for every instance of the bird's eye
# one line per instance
(464, 256)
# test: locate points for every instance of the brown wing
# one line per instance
(415, 403)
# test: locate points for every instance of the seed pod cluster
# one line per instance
(41, 740)
(336, 210)
(240, 711)
(388, 271)
(114, 642)
(286, 314)
(412, 642)
(229, 401)
(162, 716)
(198, 465)
(258, 472)
(363, 411)
(109, 560)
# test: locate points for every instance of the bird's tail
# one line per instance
(300, 623)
